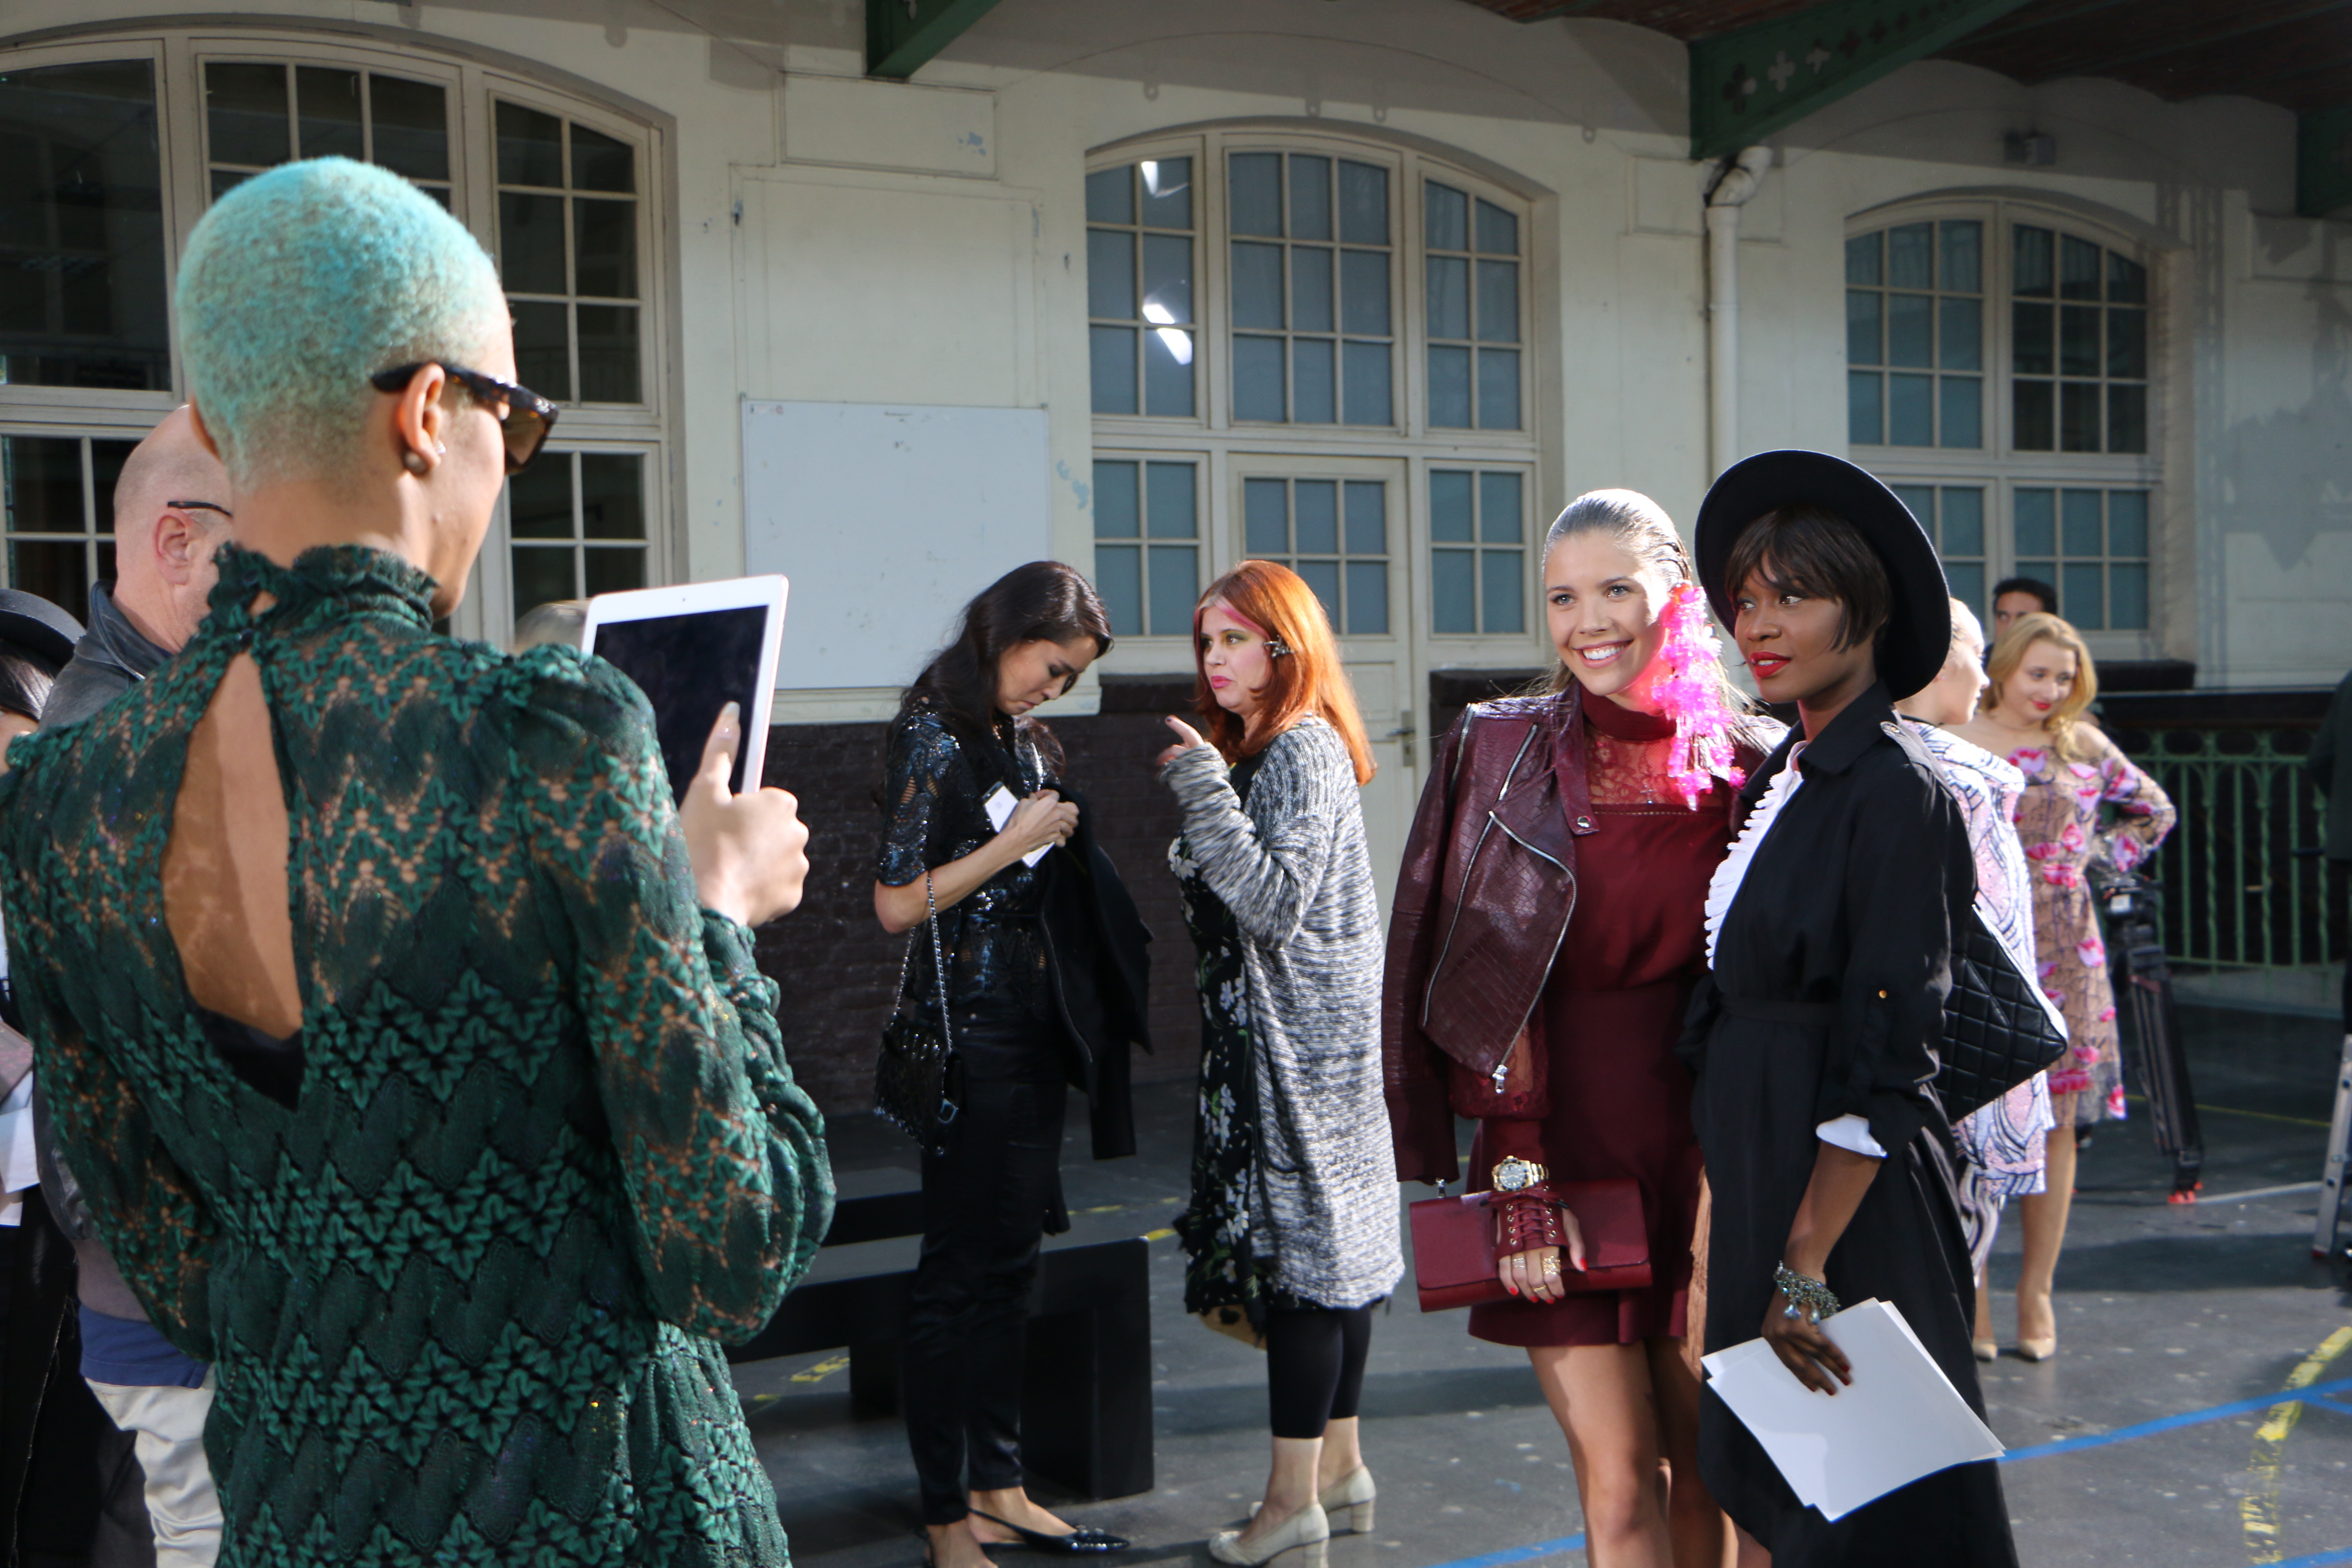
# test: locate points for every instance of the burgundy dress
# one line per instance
(1611, 1011)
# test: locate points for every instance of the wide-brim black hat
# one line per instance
(32, 623)
(1918, 635)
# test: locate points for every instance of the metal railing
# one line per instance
(2236, 891)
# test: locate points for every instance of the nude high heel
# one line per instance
(1352, 1495)
(1307, 1533)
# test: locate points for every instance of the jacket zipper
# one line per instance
(1504, 1067)
(1475, 850)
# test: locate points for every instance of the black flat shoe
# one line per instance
(1078, 1543)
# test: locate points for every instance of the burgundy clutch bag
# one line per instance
(1454, 1244)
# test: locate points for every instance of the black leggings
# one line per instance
(1315, 1366)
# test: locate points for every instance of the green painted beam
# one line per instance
(902, 35)
(2323, 160)
(1745, 85)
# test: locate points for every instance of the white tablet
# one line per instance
(692, 649)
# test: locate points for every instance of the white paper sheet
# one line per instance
(1900, 1418)
(1000, 803)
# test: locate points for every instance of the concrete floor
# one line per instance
(2183, 1318)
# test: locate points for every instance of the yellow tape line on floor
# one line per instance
(2258, 1511)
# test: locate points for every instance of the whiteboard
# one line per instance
(887, 516)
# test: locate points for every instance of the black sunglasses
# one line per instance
(527, 419)
(199, 506)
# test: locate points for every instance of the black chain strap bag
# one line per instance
(1998, 1030)
(918, 1075)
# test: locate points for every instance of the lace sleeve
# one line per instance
(918, 778)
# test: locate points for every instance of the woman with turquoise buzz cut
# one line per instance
(405, 1038)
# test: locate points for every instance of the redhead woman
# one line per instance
(1293, 1225)
(1538, 978)
(2042, 683)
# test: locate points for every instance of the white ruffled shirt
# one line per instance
(1848, 1132)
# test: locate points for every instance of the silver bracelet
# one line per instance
(1805, 1294)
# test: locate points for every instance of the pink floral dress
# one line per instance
(2059, 821)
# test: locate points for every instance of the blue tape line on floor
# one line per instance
(2173, 1422)
(1516, 1554)
(2341, 1555)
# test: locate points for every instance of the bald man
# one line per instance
(171, 512)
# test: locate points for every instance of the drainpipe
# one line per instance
(1735, 181)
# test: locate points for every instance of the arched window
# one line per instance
(114, 147)
(2000, 376)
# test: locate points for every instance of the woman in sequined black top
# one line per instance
(962, 741)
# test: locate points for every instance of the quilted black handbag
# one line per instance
(1999, 1030)
(918, 1077)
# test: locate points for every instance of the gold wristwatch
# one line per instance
(1516, 1175)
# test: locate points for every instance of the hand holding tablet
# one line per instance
(750, 852)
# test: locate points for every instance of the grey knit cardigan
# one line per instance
(1295, 871)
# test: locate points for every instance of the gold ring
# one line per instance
(1551, 1265)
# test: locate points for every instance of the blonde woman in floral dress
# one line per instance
(2085, 803)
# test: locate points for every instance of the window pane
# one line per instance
(1862, 260)
(1257, 379)
(542, 341)
(227, 180)
(2081, 596)
(1254, 193)
(2127, 343)
(1175, 587)
(530, 147)
(1174, 506)
(1166, 278)
(1911, 257)
(2127, 523)
(612, 495)
(1967, 580)
(1862, 326)
(1314, 386)
(1498, 301)
(541, 576)
(2078, 340)
(245, 113)
(539, 499)
(2031, 334)
(106, 460)
(1449, 297)
(1445, 216)
(1364, 292)
(604, 248)
(1167, 373)
(2033, 262)
(1449, 388)
(1110, 273)
(1864, 422)
(1167, 192)
(1368, 599)
(1310, 289)
(1110, 195)
(1314, 516)
(1505, 606)
(1960, 334)
(2078, 417)
(56, 571)
(1499, 521)
(1910, 330)
(1365, 374)
(2040, 571)
(1498, 231)
(1498, 389)
(531, 242)
(1961, 528)
(1920, 501)
(2127, 418)
(2036, 524)
(1257, 285)
(1118, 501)
(1323, 578)
(613, 571)
(1310, 197)
(40, 481)
(2126, 281)
(1963, 411)
(329, 103)
(2127, 597)
(2078, 523)
(2078, 269)
(1910, 410)
(81, 235)
(2036, 416)
(1453, 592)
(1111, 364)
(610, 365)
(602, 162)
(1363, 204)
(412, 127)
(1265, 517)
(1451, 521)
(1119, 579)
(1368, 521)
(1963, 270)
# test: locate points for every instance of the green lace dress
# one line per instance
(464, 1294)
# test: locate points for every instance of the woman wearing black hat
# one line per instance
(1829, 935)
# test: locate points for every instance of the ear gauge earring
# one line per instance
(414, 461)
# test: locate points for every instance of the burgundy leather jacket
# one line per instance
(1483, 904)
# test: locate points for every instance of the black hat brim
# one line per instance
(36, 625)
(1918, 635)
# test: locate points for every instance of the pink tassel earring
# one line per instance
(1692, 696)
